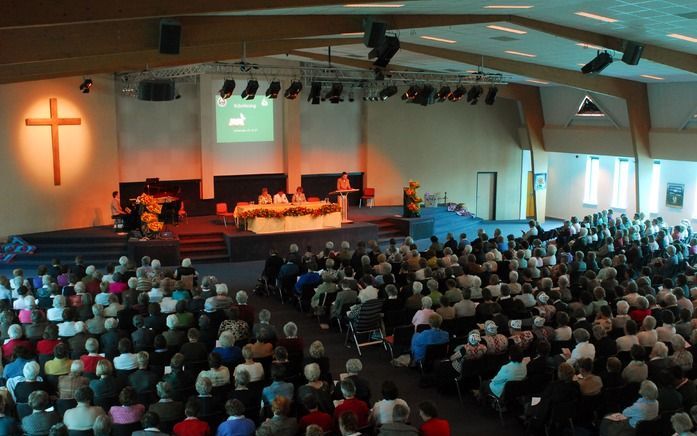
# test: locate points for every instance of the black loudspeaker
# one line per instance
(632, 53)
(373, 33)
(170, 36)
(156, 90)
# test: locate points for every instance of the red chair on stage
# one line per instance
(368, 196)
(222, 212)
(240, 203)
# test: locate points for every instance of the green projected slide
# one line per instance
(238, 120)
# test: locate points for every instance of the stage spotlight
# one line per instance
(293, 90)
(491, 95)
(351, 97)
(315, 93)
(250, 91)
(473, 94)
(457, 94)
(598, 64)
(443, 93)
(334, 94)
(227, 89)
(426, 96)
(273, 89)
(388, 92)
(411, 93)
(85, 86)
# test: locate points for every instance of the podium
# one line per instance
(342, 198)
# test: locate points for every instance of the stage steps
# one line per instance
(98, 246)
(200, 247)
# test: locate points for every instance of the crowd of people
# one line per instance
(589, 325)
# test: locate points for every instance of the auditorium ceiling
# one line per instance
(535, 42)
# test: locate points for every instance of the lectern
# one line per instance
(342, 198)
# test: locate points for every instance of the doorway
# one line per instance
(486, 195)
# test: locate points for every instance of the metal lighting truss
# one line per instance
(308, 73)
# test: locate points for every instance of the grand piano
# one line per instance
(167, 194)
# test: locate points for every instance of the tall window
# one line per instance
(619, 184)
(694, 210)
(655, 187)
(590, 193)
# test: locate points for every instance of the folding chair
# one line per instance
(400, 341)
(367, 324)
(434, 352)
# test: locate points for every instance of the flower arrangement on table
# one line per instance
(412, 202)
(150, 210)
(261, 212)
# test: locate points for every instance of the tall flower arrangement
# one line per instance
(149, 210)
(412, 202)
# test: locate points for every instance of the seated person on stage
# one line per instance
(299, 196)
(116, 209)
(265, 197)
(280, 198)
(342, 183)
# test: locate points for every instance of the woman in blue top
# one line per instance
(644, 409)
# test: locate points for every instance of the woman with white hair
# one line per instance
(16, 335)
(619, 321)
(55, 314)
(476, 289)
(644, 409)
(317, 388)
(21, 387)
(422, 316)
(68, 384)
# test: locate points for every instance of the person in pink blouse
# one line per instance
(128, 412)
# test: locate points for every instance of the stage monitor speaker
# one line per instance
(156, 90)
(632, 53)
(373, 33)
(170, 36)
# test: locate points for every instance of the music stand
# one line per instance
(342, 198)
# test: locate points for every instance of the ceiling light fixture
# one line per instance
(597, 64)
(435, 38)
(443, 94)
(491, 95)
(351, 34)
(411, 93)
(388, 92)
(457, 94)
(506, 29)
(426, 96)
(293, 90)
(250, 91)
(649, 76)
(541, 82)
(585, 45)
(334, 94)
(473, 94)
(227, 89)
(596, 17)
(86, 85)
(682, 37)
(273, 89)
(373, 5)
(315, 93)
(508, 7)
(519, 53)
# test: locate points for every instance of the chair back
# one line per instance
(435, 352)
(125, 429)
(422, 327)
(188, 281)
(369, 316)
(313, 199)
(63, 405)
(369, 192)
(402, 335)
(80, 433)
(221, 208)
(648, 428)
(23, 410)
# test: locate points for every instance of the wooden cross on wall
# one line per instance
(54, 122)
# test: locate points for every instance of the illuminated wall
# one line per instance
(29, 201)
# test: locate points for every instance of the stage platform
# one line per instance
(205, 239)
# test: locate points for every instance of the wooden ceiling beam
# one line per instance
(139, 61)
(29, 13)
(601, 84)
(673, 58)
(88, 39)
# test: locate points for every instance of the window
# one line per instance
(619, 184)
(694, 210)
(655, 187)
(590, 193)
